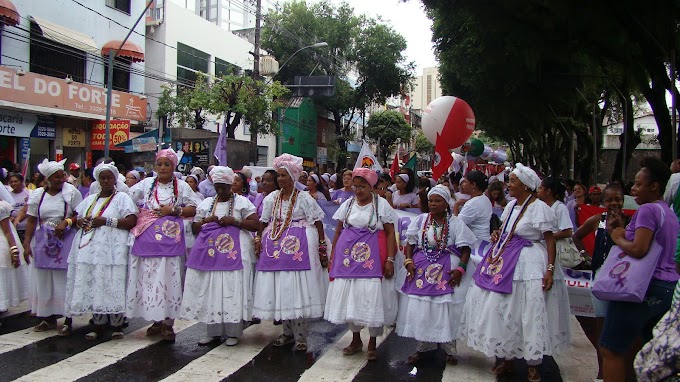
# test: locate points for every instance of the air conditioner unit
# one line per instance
(268, 65)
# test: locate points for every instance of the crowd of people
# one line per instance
(480, 263)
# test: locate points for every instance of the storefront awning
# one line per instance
(8, 13)
(129, 50)
(66, 36)
(142, 138)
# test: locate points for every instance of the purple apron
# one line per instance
(287, 253)
(431, 278)
(498, 277)
(357, 255)
(50, 252)
(216, 248)
(163, 238)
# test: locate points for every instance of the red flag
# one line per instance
(394, 169)
(442, 158)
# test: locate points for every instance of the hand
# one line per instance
(547, 281)
(210, 219)
(456, 277)
(27, 253)
(98, 222)
(410, 271)
(165, 210)
(614, 221)
(227, 220)
(81, 223)
(324, 260)
(14, 256)
(258, 248)
(60, 229)
(495, 235)
(389, 270)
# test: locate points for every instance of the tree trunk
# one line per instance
(232, 123)
(341, 158)
(632, 141)
(656, 97)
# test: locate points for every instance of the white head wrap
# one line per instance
(222, 174)
(405, 178)
(291, 163)
(442, 191)
(316, 178)
(135, 174)
(105, 167)
(48, 168)
(192, 176)
(527, 176)
(326, 178)
(334, 178)
(198, 172)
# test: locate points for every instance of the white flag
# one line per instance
(367, 159)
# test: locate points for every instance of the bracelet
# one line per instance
(257, 238)
(237, 222)
(462, 265)
(322, 242)
(69, 221)
(460, 269)
(178, 211)
(390, 259)
(551, 267)
(408, 261)
(112, 222)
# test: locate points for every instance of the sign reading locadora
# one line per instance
(52, 92)
(120, 132)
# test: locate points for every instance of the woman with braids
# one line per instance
(290, 283)
(98, 262)
(157, 256)
(516, 310)
(436, 262)
(364, 248)
(51, 214)
(219, 283)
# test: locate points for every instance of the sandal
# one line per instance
(300, 346)
(44, 326)
(154, 329)
(350, 350)
(502, 367)
(451, 360)
(533, 374)
(64, 331)
(167, 334)
(117, 333)
(415, 358)
(371, 355)
(283, 340)
(91, 336)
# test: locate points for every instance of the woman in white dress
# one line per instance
(405, 196)
(364, 248)
(315, 188)
(438, 277)
(517, 308)
(13, 272)
(290, 283)
(97, 270)
(48, 240)
(218, 289)
(475, 212)
(157, 256)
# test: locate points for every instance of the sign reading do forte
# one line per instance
(120, 132)
(52, 92)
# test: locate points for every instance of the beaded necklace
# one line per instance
(280, 224)
(153, 191)
(232, 201)
(374, 213)
(107, 202)
(432, 252)
(497, 250)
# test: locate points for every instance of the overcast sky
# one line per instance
(407, 18)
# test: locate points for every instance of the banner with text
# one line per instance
(119, 132)
(18, 124)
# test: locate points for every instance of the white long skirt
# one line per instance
(527, 323)
(434, 318)
(95, 288)
(48, 291)
(365, 302)
(14, 286)
(154, 290)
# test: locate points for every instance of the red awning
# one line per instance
(129, 50)
(8, 13)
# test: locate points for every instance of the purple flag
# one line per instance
(221, 147)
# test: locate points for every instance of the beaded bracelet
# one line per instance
(112, 222)
(408, 261)
(390, 259)
(460, 269)
(463, 265)
(551, 267)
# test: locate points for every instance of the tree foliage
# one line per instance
(365, 55)
(422, 145)
(386, 128)
(538, 74)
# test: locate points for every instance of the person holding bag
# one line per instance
(625, 320)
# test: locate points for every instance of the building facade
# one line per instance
(426, 89)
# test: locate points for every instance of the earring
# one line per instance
(244, 190)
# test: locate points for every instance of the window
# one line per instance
(190, 61)
(54, 59)
(223, 68)
(121, 5)
(121, 74)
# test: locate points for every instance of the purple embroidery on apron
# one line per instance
(357, 254)
(163, 238)
(51, 252)
(431, 277)
(216, 248)
(287, 253)
(497, 276)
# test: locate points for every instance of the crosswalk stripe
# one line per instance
(223, 361)
(21, 338)
(472, 366)
(334, 366)
(98, 357)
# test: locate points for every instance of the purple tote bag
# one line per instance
(625, 278)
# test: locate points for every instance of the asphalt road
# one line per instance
(29, 356)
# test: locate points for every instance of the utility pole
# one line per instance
(256, 76)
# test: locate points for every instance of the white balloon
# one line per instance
(437, 113)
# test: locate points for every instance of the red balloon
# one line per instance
(451, 118)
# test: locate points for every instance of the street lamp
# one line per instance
(280, 116)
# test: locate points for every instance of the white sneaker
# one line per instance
(231, 341)
(208, 340)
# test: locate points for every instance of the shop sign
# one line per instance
(308, 163)
(59, 155)
(25, 147)
(143, 144)
(17, 124)
(88, 159)
(74, 138)
(40, 90)
(196, 153)
(119, 132)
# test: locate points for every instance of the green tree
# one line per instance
(174, 107)
(386, 128)
(365, 55)
(422, 145)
